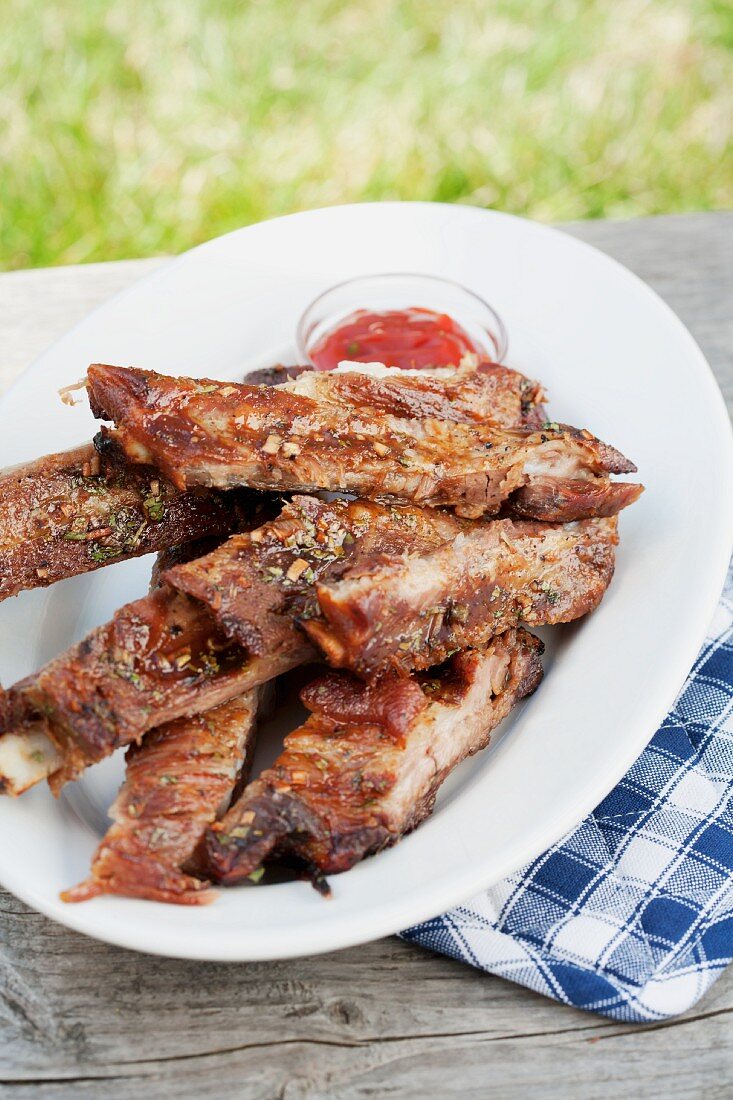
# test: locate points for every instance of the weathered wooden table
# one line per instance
(79, 1018)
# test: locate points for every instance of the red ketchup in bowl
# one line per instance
(407, 338)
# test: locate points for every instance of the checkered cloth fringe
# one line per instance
(631, 915)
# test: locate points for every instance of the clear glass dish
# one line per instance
(402, 291)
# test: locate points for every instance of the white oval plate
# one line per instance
(614, 358)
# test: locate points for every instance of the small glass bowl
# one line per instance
(402, 291)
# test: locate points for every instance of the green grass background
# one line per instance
(140, 127)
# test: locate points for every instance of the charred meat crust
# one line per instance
(485, 391)
(412, 611)
(273, 376)
(179, 555)
(178, 781)
(253, 581)
(390, 704)
(348, 782)
(160, 658)
(379, 588)
(73, 512)
(201, 432)
(562, 500)
(472, 394)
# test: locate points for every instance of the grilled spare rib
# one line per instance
(163, 657)
(365, 767)
(72, 512)
(160, 658)
(310, 541)
(178, 781)
(412, 611)
(200, 432)
(416, 584)
(472, 393)
(477, 390)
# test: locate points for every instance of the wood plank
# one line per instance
(78, 1018)
(381, 1019)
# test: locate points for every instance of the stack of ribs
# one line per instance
(402, 529)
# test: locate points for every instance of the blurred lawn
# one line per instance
(138, 127)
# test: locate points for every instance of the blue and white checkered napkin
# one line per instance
(631, 915)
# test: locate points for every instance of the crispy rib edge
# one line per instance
(156, 805)
(410, 613)
(281, 815)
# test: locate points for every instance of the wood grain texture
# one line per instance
(79, 1019)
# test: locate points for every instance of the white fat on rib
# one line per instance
(443, 735)
(416, 582)
(557, 459)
